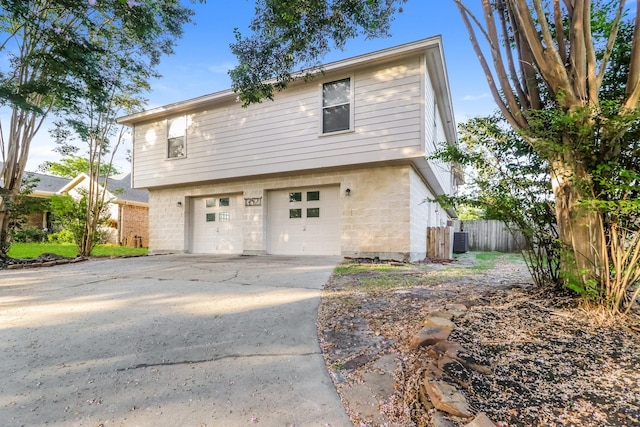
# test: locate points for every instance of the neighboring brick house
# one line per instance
(129, 208)
(337, 165)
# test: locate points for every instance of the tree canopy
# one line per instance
(62, 51)
(71, 166)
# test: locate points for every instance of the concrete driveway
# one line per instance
(167, 340)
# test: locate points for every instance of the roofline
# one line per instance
(127, 202)
(73, 182)
(229, 94)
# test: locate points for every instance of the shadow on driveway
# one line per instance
(168, 340)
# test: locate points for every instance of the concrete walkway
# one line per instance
(167, 340)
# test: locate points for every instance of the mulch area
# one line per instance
(550, 362)
(46, 259)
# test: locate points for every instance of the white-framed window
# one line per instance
(176, 137)
(337, 97)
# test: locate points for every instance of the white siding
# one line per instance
(228, 141)
(423, 214)
(435, 138)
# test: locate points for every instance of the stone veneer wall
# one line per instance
(375, 217)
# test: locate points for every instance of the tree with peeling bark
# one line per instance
(546, 66)
(549, 72)
(56, 53)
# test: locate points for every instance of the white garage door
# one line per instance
(304, 221)
(216, 224)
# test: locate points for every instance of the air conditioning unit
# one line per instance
(460, 242)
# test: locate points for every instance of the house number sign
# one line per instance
(253, 201)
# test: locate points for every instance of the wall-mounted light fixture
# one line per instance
(179, 204)
(347, 192)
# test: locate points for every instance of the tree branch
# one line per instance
(633, 80)
(547, 60)
(615, 27)
(560, 36)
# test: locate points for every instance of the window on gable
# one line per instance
(336, 106)
(176, 140)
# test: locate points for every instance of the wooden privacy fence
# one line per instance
(439, 242)
(490, 235)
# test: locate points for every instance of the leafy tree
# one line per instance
(71, 214)
(508, 181)
(20, 208)
(56, 52)
(90, 124)
(549, 68)
(71, 166)
(288, 34)
(468, 212)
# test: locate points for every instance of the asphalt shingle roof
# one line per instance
(119, 185)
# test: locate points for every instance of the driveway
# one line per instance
(167, 340)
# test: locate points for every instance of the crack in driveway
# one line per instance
(215, 359)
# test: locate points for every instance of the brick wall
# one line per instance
(134, 225)
(36, 219)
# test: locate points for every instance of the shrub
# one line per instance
(62, 236)
(28, 235)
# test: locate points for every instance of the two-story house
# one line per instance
(334, 166)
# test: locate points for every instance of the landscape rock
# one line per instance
(448, 348)
(443, 314)
(430, 335)
(432, 371)
(457, 307)
(481, 420)
(439, 420)
(444, 361)
(438, 321)
(447, 398)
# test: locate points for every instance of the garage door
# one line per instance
(216, 224)
(304, 221)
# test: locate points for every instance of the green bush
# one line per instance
(62, 236)
(28, 235)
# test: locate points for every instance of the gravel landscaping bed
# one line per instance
(524, 356)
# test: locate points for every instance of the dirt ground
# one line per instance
(550, 362)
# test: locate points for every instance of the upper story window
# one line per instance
(336, 106)
(176, 138)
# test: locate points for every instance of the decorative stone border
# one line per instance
(45, 263)
(434, 392)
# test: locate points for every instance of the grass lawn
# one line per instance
(34, 250)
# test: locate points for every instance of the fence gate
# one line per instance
(439, 242)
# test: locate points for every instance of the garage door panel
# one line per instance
(304, 221)
(216, 224)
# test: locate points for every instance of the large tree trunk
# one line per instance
(579, 226)
(22, 128)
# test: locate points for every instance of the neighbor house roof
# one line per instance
(46, 185)
(119, 186)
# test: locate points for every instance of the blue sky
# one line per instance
(202, 59)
